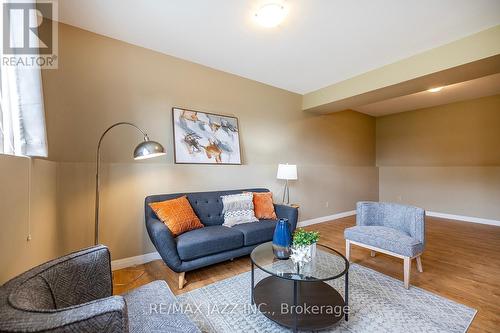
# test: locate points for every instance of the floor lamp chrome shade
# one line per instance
(287, 172)
(146, 149)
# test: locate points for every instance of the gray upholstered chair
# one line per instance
(74, 294)
(393, 229)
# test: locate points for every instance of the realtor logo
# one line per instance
(29, 34)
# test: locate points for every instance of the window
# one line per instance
(22, 116)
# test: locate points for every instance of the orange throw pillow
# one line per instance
(263, 205)
(177, 214)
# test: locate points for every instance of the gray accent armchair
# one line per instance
(74, 294)
(389, 228)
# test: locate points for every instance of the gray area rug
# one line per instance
(378, 303)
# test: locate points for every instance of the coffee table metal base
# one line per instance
(299, 305)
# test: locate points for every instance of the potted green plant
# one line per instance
(306, 239)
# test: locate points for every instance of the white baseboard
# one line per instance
(326, 218)
(144, 258)
(463, 218)
(132, 261)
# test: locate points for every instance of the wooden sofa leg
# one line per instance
(348, 250)
(182, 280)
(372, 254)
(419, 264)
(407, 268)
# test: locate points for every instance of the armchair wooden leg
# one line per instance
(182, 280)
(419, 264)
(372, 253)
(348, 250)
(407, 268)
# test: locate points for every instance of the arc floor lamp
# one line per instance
(145, 149)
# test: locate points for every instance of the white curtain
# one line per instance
(22, 116)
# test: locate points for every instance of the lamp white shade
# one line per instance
(287, 171)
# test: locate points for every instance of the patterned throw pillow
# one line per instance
(177, 214)
(263, 205)
(238, 208)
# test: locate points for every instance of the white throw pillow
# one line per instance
(238, 208)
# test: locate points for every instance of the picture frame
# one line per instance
(205, 138)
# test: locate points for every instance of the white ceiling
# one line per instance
(484, 86)
(320, 43)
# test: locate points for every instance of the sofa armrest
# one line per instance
(287, 212)
(366, 213)
(164, 243)
(416, 223)
(102, 315)
(106, 314)
(109, 314)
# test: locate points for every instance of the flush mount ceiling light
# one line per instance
(435, 90)
(270, 15)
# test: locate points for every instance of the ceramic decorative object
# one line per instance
(282, 240)
(304, 247)
(312, 250)
(301, 255)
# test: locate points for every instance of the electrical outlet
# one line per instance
(28, 238)
(400, 198)
(327, 204)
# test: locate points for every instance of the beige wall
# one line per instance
(467, 191)
(445, 159)
(101, 81)
(18, 254)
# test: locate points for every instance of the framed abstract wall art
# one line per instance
(205, 138)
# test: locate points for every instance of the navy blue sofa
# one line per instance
(214, 243)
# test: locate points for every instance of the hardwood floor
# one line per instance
(461, 262)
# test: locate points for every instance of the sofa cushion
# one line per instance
(257, 232)
(151, 309)
(238, 209)
(263, 205)
(206, 205)
(209, 240)
(385, 238)
(177, 214)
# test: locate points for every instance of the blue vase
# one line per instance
(282, 240)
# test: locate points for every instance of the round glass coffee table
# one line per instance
(298, 297)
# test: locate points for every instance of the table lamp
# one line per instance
(287, 172)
